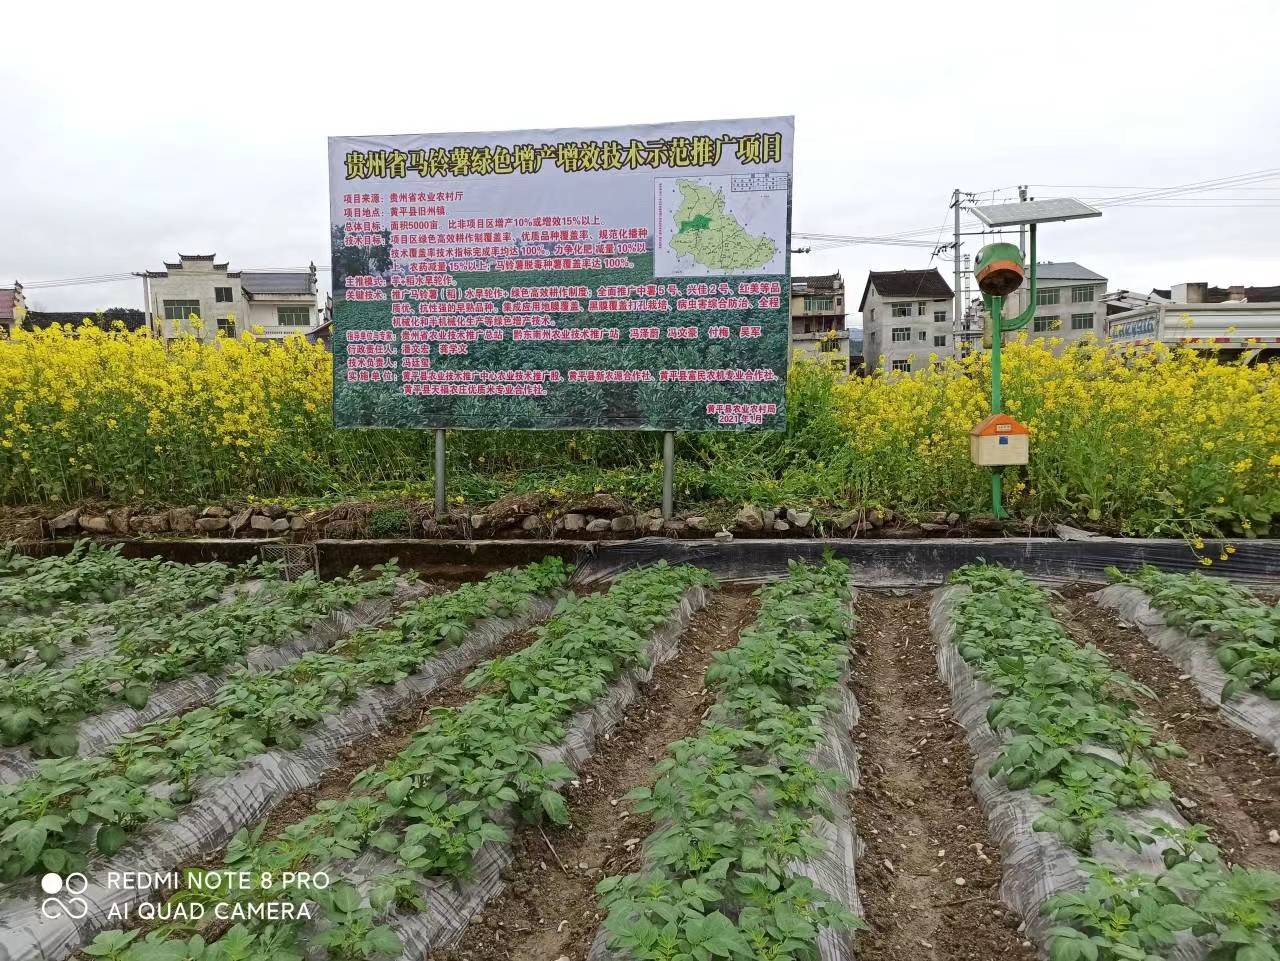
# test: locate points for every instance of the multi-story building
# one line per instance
(818, 330)
(13, 307)
(1069, 304)
(280, 303)
(906, 319)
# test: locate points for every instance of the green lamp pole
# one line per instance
(994, 304)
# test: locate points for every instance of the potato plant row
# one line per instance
(1074, 737)
(166, 593)
(88, 573)
(448, 793)
(42, 708)
(735, 803)
(75, 807)
(1243, 631)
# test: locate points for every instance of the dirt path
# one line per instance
(1231, 780)
(549, 911)
(930, 871)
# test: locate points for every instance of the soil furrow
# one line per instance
(930, 873)
(1228, 780)
(548, 911)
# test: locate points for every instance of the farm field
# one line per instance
(144, 436)
(663, 767)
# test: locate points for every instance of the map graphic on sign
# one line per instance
(712, 226)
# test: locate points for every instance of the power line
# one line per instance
(1220, 183)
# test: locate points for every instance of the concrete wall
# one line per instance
(263, 313)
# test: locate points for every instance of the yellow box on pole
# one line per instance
(999, 441)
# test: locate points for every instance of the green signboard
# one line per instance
(631, 277)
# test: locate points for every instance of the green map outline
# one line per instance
(713, 237)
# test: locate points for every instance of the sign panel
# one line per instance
(622, 277)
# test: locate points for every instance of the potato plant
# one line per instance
(42, 708)
(168, 592)
(1244, 632)
(74, 806)
(1074, 736)
(446, 794)
(735, 802)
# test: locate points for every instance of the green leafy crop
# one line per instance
(735, 802)
(75, 805)
(1075, 737)
(1244, 632)
(439, 800)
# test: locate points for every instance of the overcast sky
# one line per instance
(133, 132)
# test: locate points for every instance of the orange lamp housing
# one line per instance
(999, 269)
(999, 441)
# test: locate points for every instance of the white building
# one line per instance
(281, 303)
(1069, 304)
(13, 308)
(906, 317)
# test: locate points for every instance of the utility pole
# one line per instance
(955, 254)
(1022, 228)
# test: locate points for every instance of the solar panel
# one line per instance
(1034, 212)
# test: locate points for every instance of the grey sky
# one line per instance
(132, 136)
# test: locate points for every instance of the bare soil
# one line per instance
(929, 873)
(1228, 781)
(548, 911)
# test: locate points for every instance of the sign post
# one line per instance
(632, 278)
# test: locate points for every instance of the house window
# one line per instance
(227, 325)
(222, 295)
(1082, 295)
(829, 344)
(921, 308)
(924, 335)
(1042, 324)
(903, 365)
(1082, 321)
(939, 316)
(900, 310)
(181, 309)
(940, 340)
(901, 335)
(818, 305)
(293, 316)
(1047, 296)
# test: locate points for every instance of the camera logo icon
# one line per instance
(64, 896)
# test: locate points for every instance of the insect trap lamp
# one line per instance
(1000, 441)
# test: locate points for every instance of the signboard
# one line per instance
(1130, 329)
(621, 277)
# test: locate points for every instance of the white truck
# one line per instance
(1238, 329)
